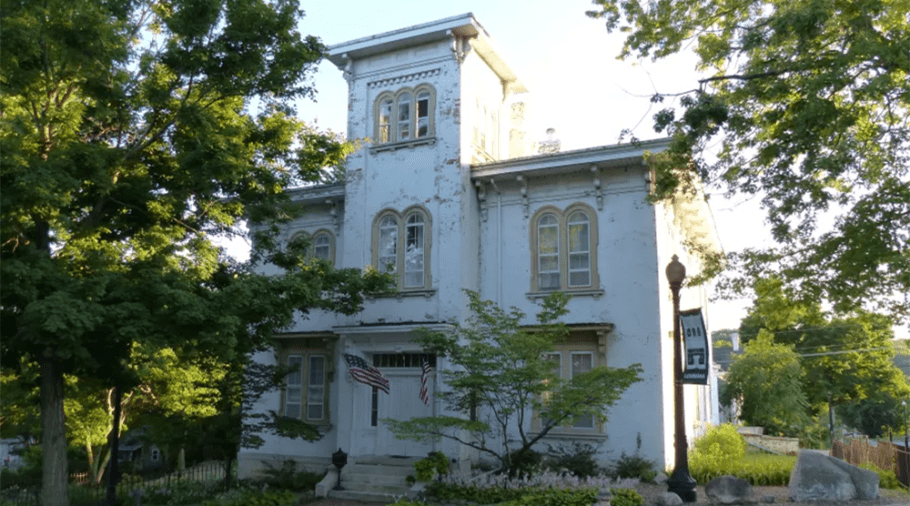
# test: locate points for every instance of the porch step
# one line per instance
(375, 479)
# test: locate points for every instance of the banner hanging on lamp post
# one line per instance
(698, 359)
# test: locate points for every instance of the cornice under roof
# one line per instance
(463, 25)
(566, 161)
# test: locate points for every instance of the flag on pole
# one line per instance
(362, 372)
(424, 391)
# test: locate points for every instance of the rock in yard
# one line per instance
(818, 477)
(728, 490)
(669, 499)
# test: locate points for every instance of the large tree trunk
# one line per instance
(53, 434)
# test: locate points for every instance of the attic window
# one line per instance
(413, 110)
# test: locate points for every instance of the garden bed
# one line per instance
(781, 495)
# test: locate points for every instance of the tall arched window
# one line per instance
(401, 246)
(385, 120)
(579, 243)
(548, 252)
(564, 249)
(423, 114)
(405, 115)
(388, 244)
(414, 249)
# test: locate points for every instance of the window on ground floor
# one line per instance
(305, 395)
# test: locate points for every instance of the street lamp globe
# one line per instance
(676, 271)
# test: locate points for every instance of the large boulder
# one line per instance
(818, 477)
(728, 490)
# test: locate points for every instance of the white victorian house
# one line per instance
(447, 192)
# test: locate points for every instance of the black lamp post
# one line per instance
(339, 460)
(681, 482)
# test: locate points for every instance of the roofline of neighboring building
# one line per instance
(464, 25)
(602, 156)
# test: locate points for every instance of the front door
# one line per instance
(402, 403)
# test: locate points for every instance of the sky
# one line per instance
(568, 63)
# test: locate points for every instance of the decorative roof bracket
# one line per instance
(482, 198)
(523, 181)
(333, 212)
(598, 191)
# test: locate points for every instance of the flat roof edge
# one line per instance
(432, 30)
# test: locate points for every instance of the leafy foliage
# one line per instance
(257, 498)
(722, 444)
(428, 467)
(809, 105)
(873, 415)
(288, 477)
(886, 479)
(135, 134)
(500, 379)
(767, 379)
(577, 460)
(634, 466)
(541, 488)
(848, 360)
(757, 469)
(626, 497)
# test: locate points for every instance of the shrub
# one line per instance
(257, 498)
(405, 502)
(577, 460)
(757, 469)
(524, 462)
(177, 494)
(886, 479)
(626, 497)
(721, 444)
(634, 466)
(555, 497)
(288, 477)
(435, 463)
(493, 489)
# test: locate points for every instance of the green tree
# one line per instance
(846, 359)
(806, 105)
(767, 381)
(500, 378)
(874, 415)
(133, 134)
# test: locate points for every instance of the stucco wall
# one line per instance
(626, 256)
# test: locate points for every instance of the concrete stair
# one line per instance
(375, 479)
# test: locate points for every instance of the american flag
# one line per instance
(362, 372)
(424, 391)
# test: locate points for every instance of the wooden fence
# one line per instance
(884, 455)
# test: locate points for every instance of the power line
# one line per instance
(822, 354)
